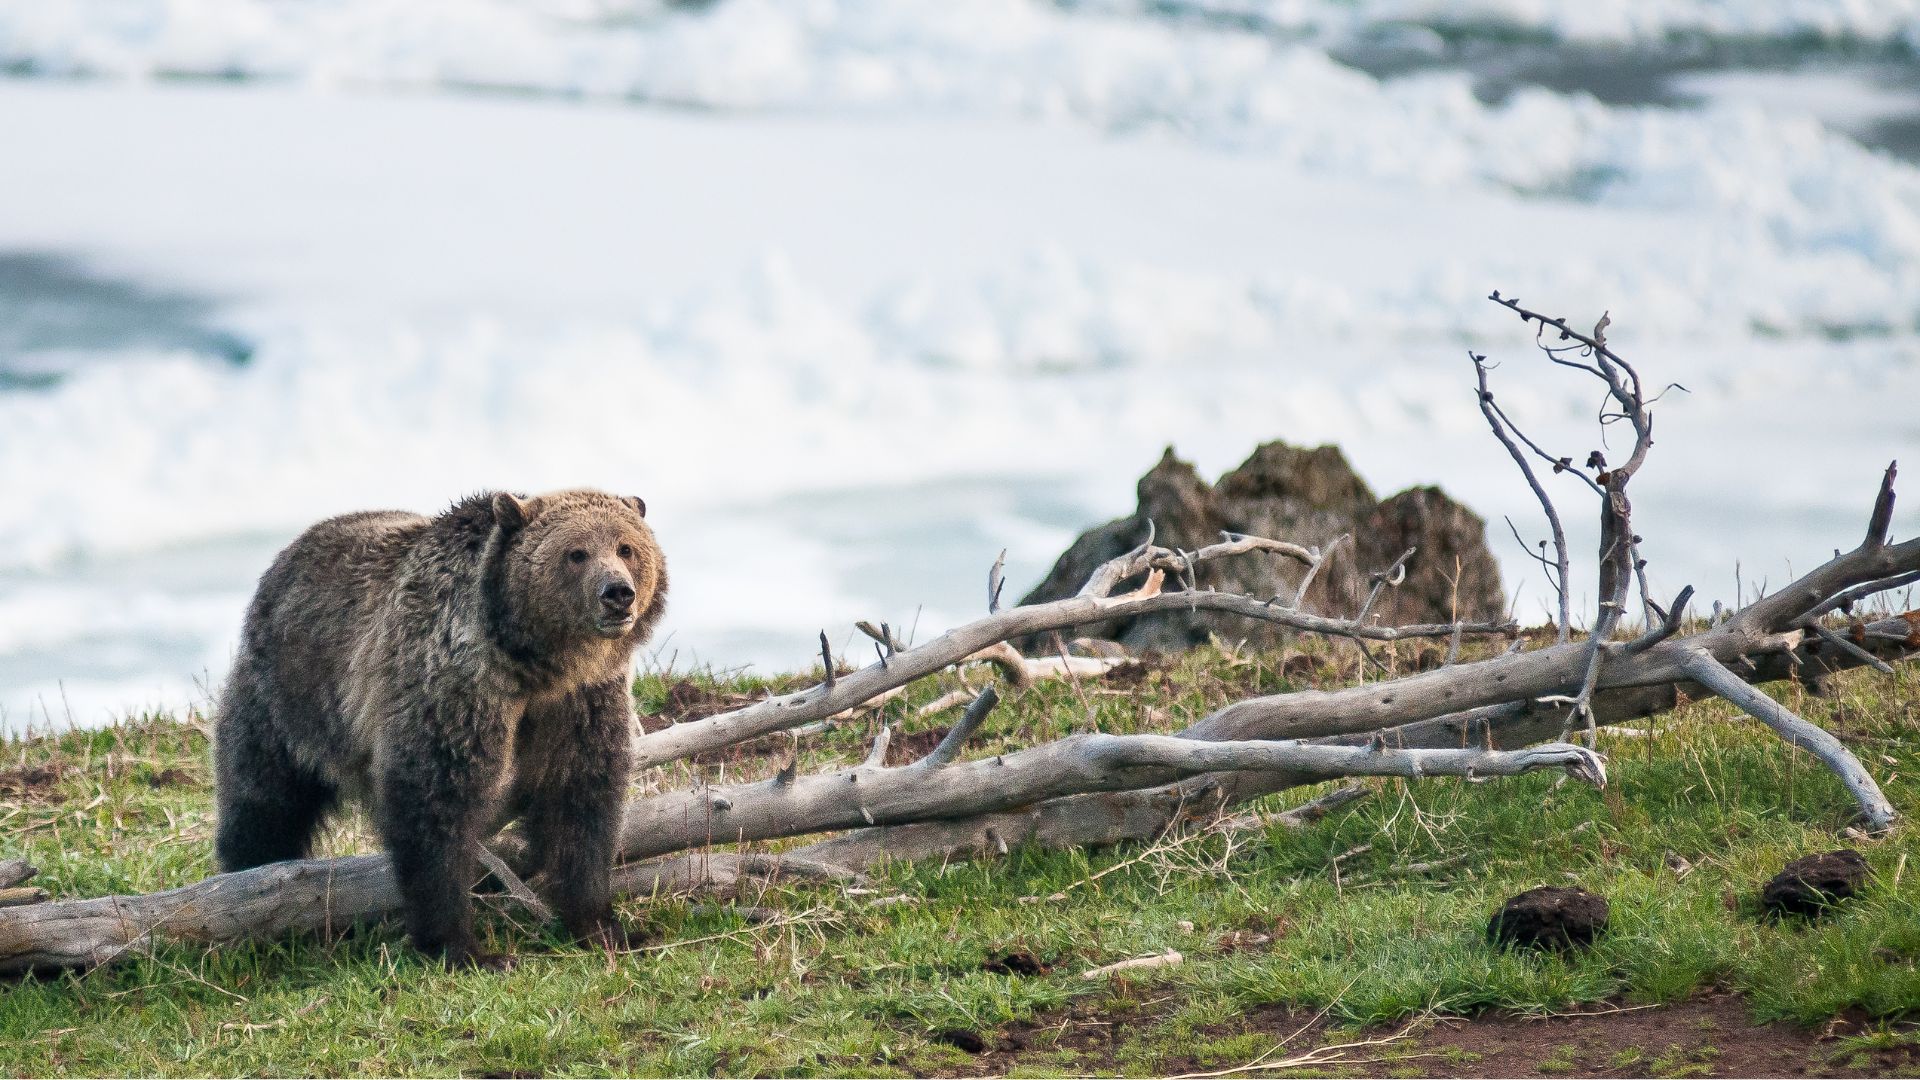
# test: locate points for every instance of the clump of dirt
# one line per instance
(1014, 962)
(35, 782)
(1550, 917)
(1127, 673)
(1811, 884)
(688, 700)
(171, 778)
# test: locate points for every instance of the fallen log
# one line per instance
(320, 896)
(325, 895)
(874, 795)
(1139, 815)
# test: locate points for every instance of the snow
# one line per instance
(1288, 103)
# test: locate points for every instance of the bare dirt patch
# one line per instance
(908, 747)
(1712, 1035)
(36, 783)
(172, 778)
(688, 700)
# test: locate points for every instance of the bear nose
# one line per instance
(616, 596)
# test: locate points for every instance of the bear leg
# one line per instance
(577, 770)
(269, 805)
(430, 825)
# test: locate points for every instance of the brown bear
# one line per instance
(453, 673)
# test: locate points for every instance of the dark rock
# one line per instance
(1550, 917)
(1451, 552)
(1307, 497)
(1813, 883)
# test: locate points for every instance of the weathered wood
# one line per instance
(843, 692)
(306, 896)
(1762, 630)
(1874, 807)
(1117, 817)
(869, 795)
(266, 902)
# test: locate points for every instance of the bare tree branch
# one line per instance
(955, 646)
(1710, 673)
(1146, 814)
(1501, 426)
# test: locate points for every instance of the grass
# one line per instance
(866, 983)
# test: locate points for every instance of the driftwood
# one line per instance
(306, 896)
(1117, 817)
(895, 668)
(1477, 719)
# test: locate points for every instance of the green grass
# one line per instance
(845, 984)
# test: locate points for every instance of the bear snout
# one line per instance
(616, 598)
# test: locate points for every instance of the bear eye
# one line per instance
(577, 555)
(626, 551)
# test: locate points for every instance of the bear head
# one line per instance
(580, 565)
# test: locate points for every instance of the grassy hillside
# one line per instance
(976, 967)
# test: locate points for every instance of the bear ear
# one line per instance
(510, 513)
(638, 503)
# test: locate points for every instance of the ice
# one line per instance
(1608, 22)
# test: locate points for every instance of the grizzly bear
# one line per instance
(452, 673)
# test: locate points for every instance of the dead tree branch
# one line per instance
(1619, 547)
(872, 795)
(1092, 605)
(1141, 815)
(1875, 810)
(1506, 431)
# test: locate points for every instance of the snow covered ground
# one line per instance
(858, 294)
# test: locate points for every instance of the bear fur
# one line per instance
(452, 673)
